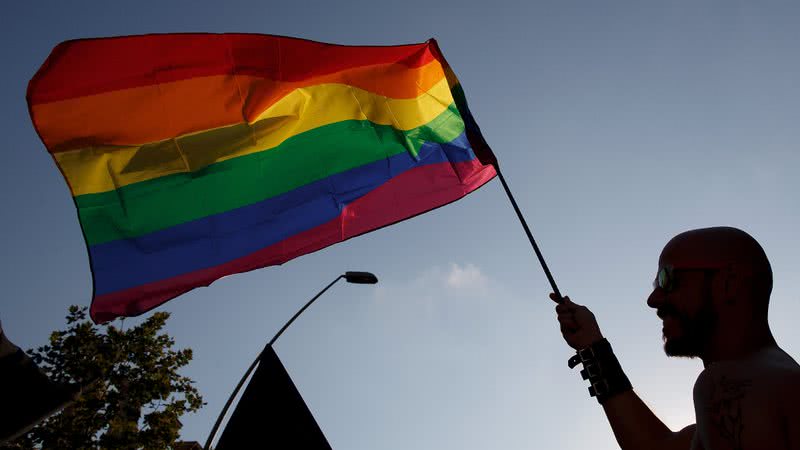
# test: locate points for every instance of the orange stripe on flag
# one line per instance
(157, 112)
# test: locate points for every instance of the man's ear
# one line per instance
(728, 274)
(733, 282)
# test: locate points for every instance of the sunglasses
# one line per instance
(666, 280)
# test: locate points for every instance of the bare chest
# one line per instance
(738, 412)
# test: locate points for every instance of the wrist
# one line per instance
(602, 369)
(590, 341)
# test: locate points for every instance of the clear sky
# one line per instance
(617, 125)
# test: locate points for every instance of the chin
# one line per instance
(681, 348)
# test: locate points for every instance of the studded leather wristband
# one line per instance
(603, 370)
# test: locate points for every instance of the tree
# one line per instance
(135, 395)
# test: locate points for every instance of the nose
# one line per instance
(656, 298)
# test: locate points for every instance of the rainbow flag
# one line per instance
(195, 156)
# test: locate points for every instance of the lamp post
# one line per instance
(350, 277)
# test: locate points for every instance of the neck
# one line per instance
(733, 344)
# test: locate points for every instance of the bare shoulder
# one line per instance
(789, 408)
(741, 404)
(770, 368)
(787, 383)
(788, 387)
(784, 377)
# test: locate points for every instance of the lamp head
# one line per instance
(360, 277)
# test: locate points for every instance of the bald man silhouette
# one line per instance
(712, 292)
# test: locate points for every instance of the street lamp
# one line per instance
(350, 277)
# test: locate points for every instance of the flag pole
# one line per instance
(530, 235)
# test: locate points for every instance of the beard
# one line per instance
(696, 331)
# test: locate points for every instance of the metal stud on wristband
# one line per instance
(603, 370)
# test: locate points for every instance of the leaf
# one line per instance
(138, 396)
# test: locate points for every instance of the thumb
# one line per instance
(561, 300)
(569, 302)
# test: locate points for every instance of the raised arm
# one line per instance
(633, 423)
(636, 427)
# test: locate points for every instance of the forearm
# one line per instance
(634, 424)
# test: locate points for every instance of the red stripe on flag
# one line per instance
(92, 66)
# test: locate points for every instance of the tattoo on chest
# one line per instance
(725, 409)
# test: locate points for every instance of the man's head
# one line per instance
(709, 279)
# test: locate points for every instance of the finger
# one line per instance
(555, 298)
(569, 302)
(567, 330)
(568, 321)
(564, 309)
(564, 317)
